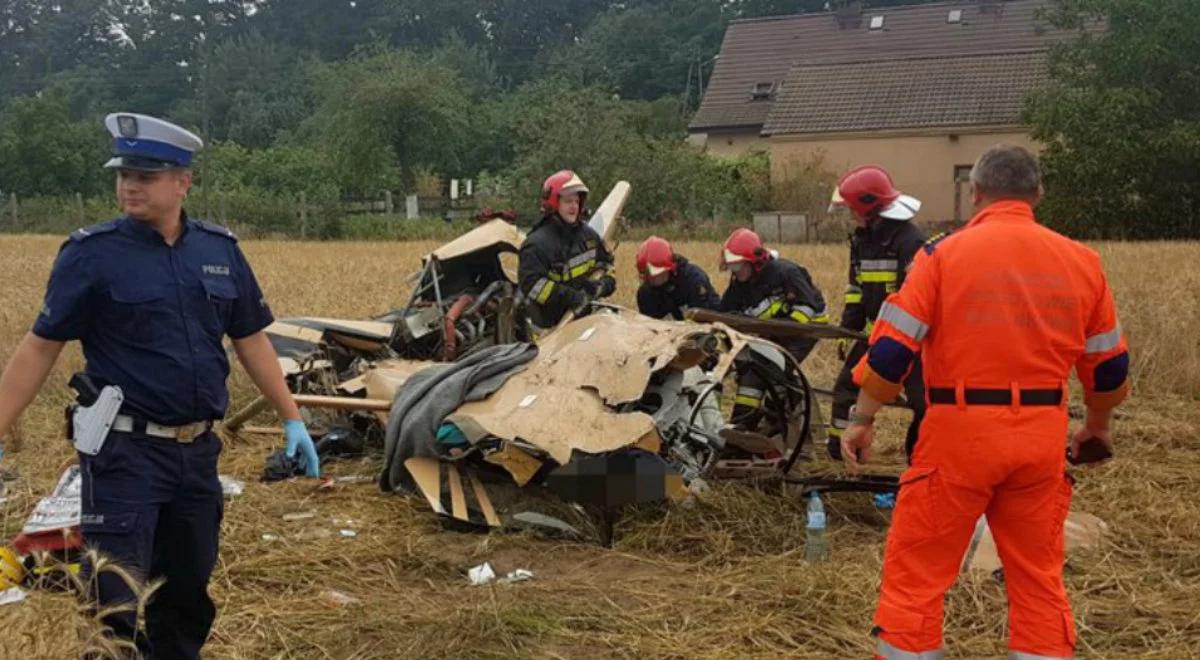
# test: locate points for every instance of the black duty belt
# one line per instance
(974, 397)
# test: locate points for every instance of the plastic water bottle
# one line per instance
(815, 548)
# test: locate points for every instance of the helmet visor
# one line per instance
(904, 208)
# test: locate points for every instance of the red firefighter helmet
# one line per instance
(561, 183)
(744, 245)
(655, 257)
(868, 191)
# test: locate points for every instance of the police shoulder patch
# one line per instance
(931, 244)
(219, 230)
(85, 233)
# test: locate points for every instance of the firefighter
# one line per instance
(1002, 311)
(670, 283)
(564, 264)
(765, 286)
(883, 245)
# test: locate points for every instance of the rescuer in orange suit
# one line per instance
(1001, 311)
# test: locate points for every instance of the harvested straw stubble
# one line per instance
(724, 578)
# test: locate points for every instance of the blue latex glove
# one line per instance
(298, 438)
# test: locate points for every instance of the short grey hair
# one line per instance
(1006, 171)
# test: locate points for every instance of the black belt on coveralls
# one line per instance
(972, 397)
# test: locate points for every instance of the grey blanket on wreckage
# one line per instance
(429, 396)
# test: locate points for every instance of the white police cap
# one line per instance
(141, 142)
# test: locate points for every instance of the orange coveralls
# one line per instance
(1001, 311)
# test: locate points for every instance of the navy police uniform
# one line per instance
(151, 318)
(687, 288)
(880, 256)
(557, 261)
(781, 290)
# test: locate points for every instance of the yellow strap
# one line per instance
(544, 294)
(877, 276)
(581, 270)
(854, 298)
(771, 311)
(749, 401)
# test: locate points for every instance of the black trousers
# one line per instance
(154, 507)
(845, 393)
(747, 409)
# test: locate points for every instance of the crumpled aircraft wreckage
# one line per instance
(607, 410)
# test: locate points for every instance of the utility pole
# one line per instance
(204, 116)
(687, 91)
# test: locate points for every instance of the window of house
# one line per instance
(762, 90)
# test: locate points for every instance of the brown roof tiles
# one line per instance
(960, 90)
(766, 50)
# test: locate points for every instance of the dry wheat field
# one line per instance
(723, 578)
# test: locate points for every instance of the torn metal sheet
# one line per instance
(453, 491)
(385, 377)
(605, 218)
(377, 331)
(496, 233)
(542, 522)
(621, 350)
(518, 462)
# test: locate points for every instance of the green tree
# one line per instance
(607, 140)
(1121, 120)
(39, 39)
(524, 34)
(250, 90)
(647, 51)
(44, 152)
(383, 114)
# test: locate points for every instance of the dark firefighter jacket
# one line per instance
(782, 289)
(880, 255)
(688, 287)
(556, 262)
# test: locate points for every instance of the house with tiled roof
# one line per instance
(920, 90)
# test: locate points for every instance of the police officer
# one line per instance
(1003, 311)
(150, 296)
(670, 283)
(883, 245)
(765, 286)
(563, 264)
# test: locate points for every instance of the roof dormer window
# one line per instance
(877, 22)
(762, 90)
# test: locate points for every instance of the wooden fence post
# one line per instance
(390, 207)
(303, 215)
